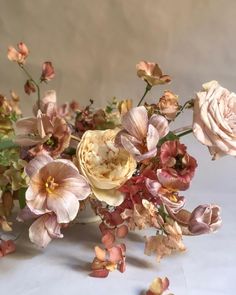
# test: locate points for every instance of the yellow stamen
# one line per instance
(50, 185)
(173, 198)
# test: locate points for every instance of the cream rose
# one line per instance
(214, 122)
(105, 166)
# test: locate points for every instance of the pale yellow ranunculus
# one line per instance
(105, 166)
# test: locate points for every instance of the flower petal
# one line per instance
(112, 197)
(37, 163)
(135, 122)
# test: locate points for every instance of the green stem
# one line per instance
(185, 133)
(148, 88)
(33, 81)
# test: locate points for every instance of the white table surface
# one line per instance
(208, 267)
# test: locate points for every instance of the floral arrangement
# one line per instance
(126, 162)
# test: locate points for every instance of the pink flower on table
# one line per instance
(55, 185)
(44, 229)
(18, 55)
(204, 219)
(178, 166)
(214, 121)
(141, 134)
(48, 72)
(151, 73)
(43, 134)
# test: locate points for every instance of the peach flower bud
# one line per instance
(29, 87)
(48, 72)
(124, 106)
(205, 219)
(214, 121)
(168, 105)
(151, 73)
(158, 286)
(19, 55)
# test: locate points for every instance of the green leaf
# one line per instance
(21, 197)
(7, 144)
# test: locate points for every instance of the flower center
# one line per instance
(50, 185)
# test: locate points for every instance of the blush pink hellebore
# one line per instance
(140, 134)
(55, 185)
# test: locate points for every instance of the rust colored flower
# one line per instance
(140, 134)
(29, 87)
(151, 73)
(178, 166)
(18, 55)
(204, 219)
(168, 105)
(7, 247)
(55, 186)
(43, 134)
(48, 72)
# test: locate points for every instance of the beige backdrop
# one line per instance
(95, 45)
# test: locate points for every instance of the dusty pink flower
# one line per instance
(214, 122)
(151, 73)
(29, 87)
(140, 135)
(158, 286)
(44, 229)
(18, 55)
(55, 185)
(178, 166)
(48, 72)
(44, 133)
(204, 219)
(168, 105)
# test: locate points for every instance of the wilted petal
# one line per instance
(108, 239)
(78, 186)
(153, 186)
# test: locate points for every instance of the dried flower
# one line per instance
(177, 166)
(48, 72)
(151, 73)
(44, 229)
(29, 87)
(158, 286)
(55, 185)
(104, 165)
(124, 106)
(7, 247)
(140, 135)
(204, 219)
(168, 105)
(18, 55)
(164, 245)
(51, 135)
(214, 122)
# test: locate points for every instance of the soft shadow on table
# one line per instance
(138, 262)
